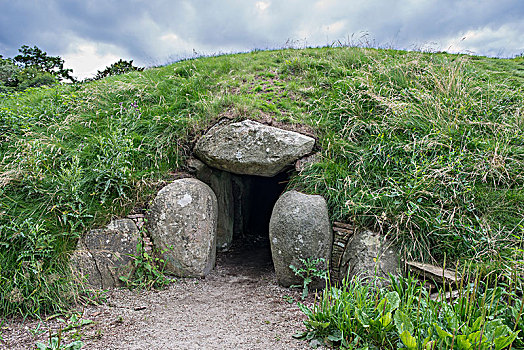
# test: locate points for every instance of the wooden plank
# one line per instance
(435, 273)
(344, 225)
(342, 230)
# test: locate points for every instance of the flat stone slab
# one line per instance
(434, 273)
(251, 148)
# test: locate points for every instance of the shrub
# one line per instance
(39, 60)
(119, 67)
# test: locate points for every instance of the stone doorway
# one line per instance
(245, 204)
(253, 198)
(246, 165)
(241, 170)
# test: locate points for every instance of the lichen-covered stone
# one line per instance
(182, 223)
(299, 229)
(221, 183)
(251, 148)
(103, 255)
(369, 255)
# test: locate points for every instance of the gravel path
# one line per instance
(232, 308)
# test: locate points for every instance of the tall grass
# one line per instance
(426, 149)
(69, 164)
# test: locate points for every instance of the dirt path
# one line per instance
(232, 308)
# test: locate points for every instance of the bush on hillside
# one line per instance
(119, 67)
(8, 74)
(32, 68)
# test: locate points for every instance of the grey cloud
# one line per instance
(138, 27)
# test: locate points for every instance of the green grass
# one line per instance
(425, 148)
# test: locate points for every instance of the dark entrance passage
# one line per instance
(254, 198)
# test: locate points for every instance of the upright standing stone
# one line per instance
(221, 183)
(299, 229)
(241, 186)
(182, 224)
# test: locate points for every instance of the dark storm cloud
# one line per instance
(156, 30)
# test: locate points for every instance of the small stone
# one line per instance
(306, 162)
(221, 183)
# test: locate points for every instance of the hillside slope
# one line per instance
(426, 148)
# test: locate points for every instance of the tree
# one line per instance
(39, 60)
(8, 74)
(33, 77)
(117, 68)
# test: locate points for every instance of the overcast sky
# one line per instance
(91, 34)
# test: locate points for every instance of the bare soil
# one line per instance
(238, 306)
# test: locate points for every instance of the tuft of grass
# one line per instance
(425, 148)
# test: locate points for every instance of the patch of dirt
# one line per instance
(235, 307)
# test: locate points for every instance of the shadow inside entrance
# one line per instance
(254, 199)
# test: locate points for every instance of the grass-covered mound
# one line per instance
(426, 148)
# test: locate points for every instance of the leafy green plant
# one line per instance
(148, 271)
(310, 269)
(289, 299)
(56, 343)
(355, 315)
(74, 321)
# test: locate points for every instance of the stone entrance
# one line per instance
(246, 167)
(245, 205)
(254, 198)
(237, 207)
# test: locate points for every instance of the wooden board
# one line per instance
(434, 273)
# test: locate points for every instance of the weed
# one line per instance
(289, 299)
(37, 330)
(403, 315)
(56, 343)
(310, 269)
(75, 321)
(147, 272)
